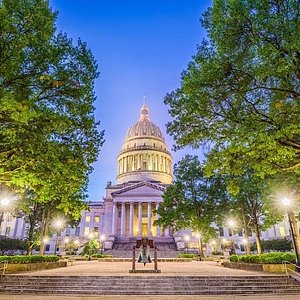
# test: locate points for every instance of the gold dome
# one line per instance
(144, 127)
(144, 155)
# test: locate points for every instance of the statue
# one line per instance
(144, 256)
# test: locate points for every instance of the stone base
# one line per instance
(144, 271)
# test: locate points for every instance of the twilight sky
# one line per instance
(141, 47)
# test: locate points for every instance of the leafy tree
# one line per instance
(240, 95)
(11, 246)
(90, 247)
(48, 133)
(253, 208)
(282, 245)
(193, 200)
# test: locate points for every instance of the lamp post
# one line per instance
(231, 225)
(287, 204)
(102, 240)
(3, 203)
(59, 225)
(186, 238)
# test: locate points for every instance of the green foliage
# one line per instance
(240, 97)
(186, 255)
(275, 245)
(49, 136)
(102, 256)
(29, 259)
(217, 253)
(266, 258)
(193, 200)
(8, 245)
(90, 248)
(48, 133)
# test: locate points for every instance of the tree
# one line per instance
(90, 247)
(48, 134)
(253, 207)
(240, 95)
(11, 246)
(193, 200)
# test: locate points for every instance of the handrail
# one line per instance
(5, 264)
(292, 271)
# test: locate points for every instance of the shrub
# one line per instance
(266, 258)
(217, 253)
(186, 255)
(29, 259)
(102, 256)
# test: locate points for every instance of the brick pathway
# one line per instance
(95, 268)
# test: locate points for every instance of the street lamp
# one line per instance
(102, 240)
(3, 203)
(231, 225)
(287, 203)
(187, 239)
(91, 236)
(58, 225)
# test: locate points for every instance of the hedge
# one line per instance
(186, 255)
(102, 256)
(265, 258)
(29, 259)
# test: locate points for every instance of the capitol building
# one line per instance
(127, 212)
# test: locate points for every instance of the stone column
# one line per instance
(157, 218)
(149, 217)
(131, 209)
(113, 226)
(140, 219)
(123, 219)
(167, 231)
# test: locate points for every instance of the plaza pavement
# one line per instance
(195, 268)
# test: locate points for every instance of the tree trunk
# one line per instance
(246, 233)
(44, 229)
(295, 225)
(201, 253)
(257, 237)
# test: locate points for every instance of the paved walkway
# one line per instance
(95, 268)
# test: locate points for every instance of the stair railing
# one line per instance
(5, 265)
(288, 270)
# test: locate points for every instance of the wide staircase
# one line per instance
(149, 285)
(123, 247)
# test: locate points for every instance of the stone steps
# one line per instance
(148, 285)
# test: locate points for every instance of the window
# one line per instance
(96, 219)
(47, 248)
(221, 231)
(282, 231)
(68, 231)
(86, 231)
(87, 218)
(240, 232)
(96, 230)
(7, 231)
(77, 231)
(242, 248)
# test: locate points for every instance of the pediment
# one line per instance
(141, 189)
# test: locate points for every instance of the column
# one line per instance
(157, 218)
(131, 218)
(167, 231)
(149, 217)
(140, 219)
(113, 226)
(123, 219)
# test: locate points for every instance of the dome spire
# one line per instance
(144, 111)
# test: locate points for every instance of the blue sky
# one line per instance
(141, 47)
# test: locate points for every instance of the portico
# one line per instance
(134, 218)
